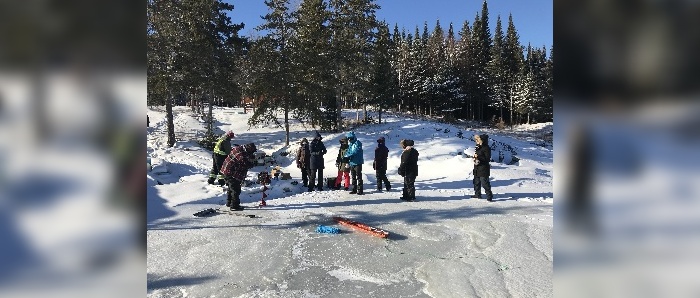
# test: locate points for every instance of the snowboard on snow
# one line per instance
(362, 227)
(212, 211)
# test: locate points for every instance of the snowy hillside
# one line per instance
(443, 245)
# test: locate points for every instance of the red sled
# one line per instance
(362, 227)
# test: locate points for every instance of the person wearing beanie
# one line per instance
(304, 160)
(235, 169)
(381, 154)
(342, 163)
(482, 169)
(356, 158)
(408, 169)
(317, 150)
(222, 147)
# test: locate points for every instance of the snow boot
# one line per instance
(229, 202)
(475, 196)
(222, 182)
(237, 208)
(359, 190)
(211, 180)
(346, 188)
(354, 189)
(388, 187)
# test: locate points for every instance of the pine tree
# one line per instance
(192, 45)
(353, 24)
(480, 55)
(312, 63)
(276, 86)
(383, 85)
(513, 59)
(462, 62)
(497, 71)
(436, 79)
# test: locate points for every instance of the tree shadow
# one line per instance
(153, 283)
(156, 207)
(521, 195)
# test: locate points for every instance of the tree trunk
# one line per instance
(286, 122)
(364, 108)
(511, 114)
(170, 124)
(209, 117)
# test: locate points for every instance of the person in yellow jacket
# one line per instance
(221, 149)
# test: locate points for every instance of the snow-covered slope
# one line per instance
(443, 245)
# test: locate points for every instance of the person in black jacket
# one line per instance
(381, 153)
(408, 169)
(304, 160)
(317, 150)
(482, 169)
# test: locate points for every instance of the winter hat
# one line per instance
(350, 135)
(229, 134)
(317, 136)
(304, 140)
(343, 140)
(484, 138)
(250, 148)
(409, 143)
(381, 140)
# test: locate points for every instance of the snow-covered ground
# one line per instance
(443, 245)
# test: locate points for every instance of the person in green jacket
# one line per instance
(221, 149)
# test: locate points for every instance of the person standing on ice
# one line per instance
(482, 169)
(221, 150)
(381, 153)
(235, 169)
(303, 160)
(342, 163)
(356, 157)
(317, 150)
(408, 169)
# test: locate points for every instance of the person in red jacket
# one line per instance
(235, 169)
(381, 153)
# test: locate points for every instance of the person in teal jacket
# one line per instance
(355, 155)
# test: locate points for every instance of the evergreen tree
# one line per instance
(437, 60)
(276, 71)
(462, 62)
(403, 69)
(497, 71)
(480, 55)
(383, 83)
(513, 60)
(353, 24)
(312, 62)
(192, 46)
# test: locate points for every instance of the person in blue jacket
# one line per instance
(355, 155)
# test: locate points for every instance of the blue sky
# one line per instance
(533, 19)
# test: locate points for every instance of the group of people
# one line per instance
(230, 167)
(232, 164)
